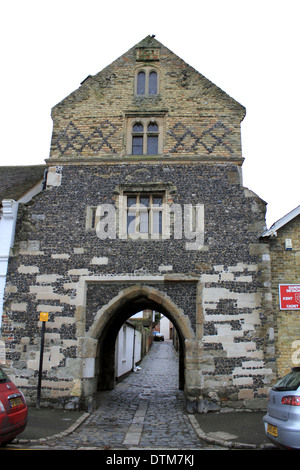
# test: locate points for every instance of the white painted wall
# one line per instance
(8, 218)
(165, 327)
(128, 349)
(7, 234)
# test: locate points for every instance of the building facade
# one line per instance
(284, 241)
(144, 208)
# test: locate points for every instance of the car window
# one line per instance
(290, 382)
(3, 376)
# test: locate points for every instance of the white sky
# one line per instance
(249, 48)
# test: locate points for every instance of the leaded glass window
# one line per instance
(137, 139)
(152, 139)
(152, 83)
(145, 143)
(141, 81)
(146, 82)
(144, 214)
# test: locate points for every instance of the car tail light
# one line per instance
(290, 400)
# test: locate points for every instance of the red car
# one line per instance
(13, 410)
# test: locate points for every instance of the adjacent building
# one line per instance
(283, 238)
(128, 350)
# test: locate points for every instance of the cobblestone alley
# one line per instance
(145, 411)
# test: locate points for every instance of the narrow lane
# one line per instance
(144, 411)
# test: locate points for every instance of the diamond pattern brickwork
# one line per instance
(72, 139)
(187, 140)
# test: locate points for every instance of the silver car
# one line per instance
(282, 421)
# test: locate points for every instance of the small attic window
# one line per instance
(146, 82)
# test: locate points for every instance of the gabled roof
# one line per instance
(149, 42)
(15, 181)
(281, 222)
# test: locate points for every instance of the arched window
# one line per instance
(146, 82)
(145, 140)
(144, 135)
(141, 81)
(152, 139)
(137, 139)
(152, 83)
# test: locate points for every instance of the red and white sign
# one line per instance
(289, 296)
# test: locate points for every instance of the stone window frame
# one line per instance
(145, 121)
(160, 189)
(144, 134)
(147, 70)
(148, 211)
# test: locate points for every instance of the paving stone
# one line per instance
(146, 410)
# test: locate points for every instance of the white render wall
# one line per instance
(128, 349)
(7, 234)
(165, 327)
(8, 218)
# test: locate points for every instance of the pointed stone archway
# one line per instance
(108, 321)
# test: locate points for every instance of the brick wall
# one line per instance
(200, 119)
(286, 270)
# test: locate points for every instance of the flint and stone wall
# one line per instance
(218, 296)
(225, 299)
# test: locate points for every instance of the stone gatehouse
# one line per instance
(144, 208)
